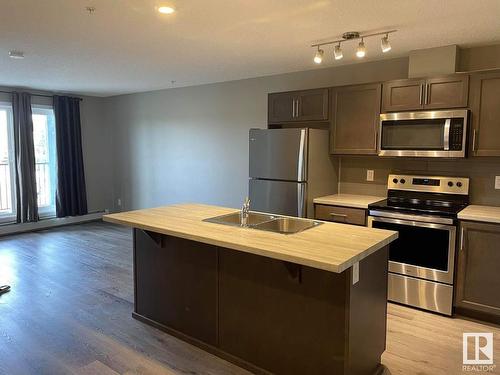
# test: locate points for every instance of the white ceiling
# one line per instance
(126, 46)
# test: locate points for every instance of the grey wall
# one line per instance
(191, 144)
(97, 154)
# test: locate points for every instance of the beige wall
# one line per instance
(481, 171)
(479, 58)
(191, 144)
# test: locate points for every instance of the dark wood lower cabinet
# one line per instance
(266, 315)
(176, 284)
(478, 276)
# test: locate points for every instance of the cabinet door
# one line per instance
(355, 118)
(447, 92)
(403, 95)
(312, 105)
(176, 283)
(485, 104)
(281, 107)
(478, 279)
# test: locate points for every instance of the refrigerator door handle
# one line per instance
(301, 165)
(301, 200)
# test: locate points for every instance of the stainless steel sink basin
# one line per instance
(234, 219)
(271, 223)
(287, 225)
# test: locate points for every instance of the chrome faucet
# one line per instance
(245, 210)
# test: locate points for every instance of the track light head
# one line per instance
(384, 44)
(318, 57)
(361, 50)
(337, 52)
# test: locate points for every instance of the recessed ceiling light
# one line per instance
(166, 10)
(16, 54)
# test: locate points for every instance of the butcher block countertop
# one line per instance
(488, 214)
(348, 200)
(330, 246)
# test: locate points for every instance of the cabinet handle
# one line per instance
(297, 108)
(474, 140)
(462, 239)
(427, 90)
(293, 108)
(343, 216)
(420, 93)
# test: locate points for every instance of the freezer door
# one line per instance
(278, 197)
(278, 154)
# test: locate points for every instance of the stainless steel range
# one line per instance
(423, 210)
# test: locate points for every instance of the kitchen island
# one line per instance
(313, 302)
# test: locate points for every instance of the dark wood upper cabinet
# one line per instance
(447, 92)
(355, 112)
(298, 106)
(431, 93)
(281, 107)
(403, 95)
(478, 279)
(485, 105)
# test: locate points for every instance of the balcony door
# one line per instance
(44, 139)
(7, 171)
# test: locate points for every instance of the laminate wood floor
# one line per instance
(69, 312)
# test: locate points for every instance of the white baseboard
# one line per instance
(49, 223)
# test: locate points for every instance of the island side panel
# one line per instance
(176, 284)
(284, 318)
(368, 315)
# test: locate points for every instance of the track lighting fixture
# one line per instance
(318, 58)
(352, 35)
(337, 52)
(384, 44)
(361, 50)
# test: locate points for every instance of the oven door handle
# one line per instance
(411, 218)
(449, 228)
(446, 134)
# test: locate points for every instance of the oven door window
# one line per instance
(427, 134)
(418, 246)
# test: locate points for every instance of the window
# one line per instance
(7, 171)
(44, 139)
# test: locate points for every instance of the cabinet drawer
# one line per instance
(339, 214)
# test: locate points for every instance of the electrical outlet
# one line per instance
(497, 182)
(369, 174)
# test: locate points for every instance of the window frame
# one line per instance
(11, 217)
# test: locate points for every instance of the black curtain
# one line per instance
(71, 198)
(24, 149)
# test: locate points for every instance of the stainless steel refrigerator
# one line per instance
(288, 169)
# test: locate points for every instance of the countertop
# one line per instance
(330, 246)
(348, 200)
(489, 214)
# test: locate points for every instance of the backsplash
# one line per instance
(481, 171)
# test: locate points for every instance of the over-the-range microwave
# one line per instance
(424, 134)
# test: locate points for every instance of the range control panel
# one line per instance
(445, 185)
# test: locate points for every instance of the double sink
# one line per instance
(267, 222)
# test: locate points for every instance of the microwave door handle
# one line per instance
(446, 134)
